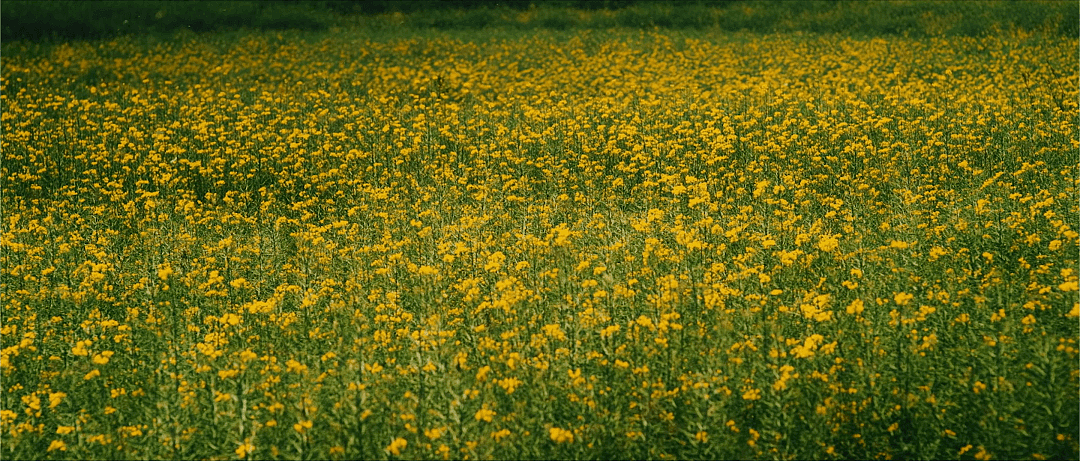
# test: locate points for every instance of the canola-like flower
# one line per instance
(559, 435)
(397, 446)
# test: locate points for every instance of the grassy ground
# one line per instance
(532, 244)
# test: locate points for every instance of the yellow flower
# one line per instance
(32, 401)
(131, 431)
(302, 426)
(230, 319)
(81, 348)
(164, 272)
(57, 445)
(509, 384)
(902, 298)
(292, 366)
(64, 430)
(484, 415)
(396, 446)
(856, 307)
(645, 322)
(434, 433)
(55, 398)
(828, 243)
(495, 261)
(609, 331)
(499, 435)
(560, 234)
(559, 435)
(102, 358)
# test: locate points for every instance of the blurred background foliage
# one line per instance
(75, 20)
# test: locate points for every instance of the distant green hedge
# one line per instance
(67, 20)
(913, 17)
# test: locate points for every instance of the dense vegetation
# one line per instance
(507, 243)
(66, 20)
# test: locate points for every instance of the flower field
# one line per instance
(571, 244)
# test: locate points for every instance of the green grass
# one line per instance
(66, 20)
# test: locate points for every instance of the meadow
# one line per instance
(582, 243)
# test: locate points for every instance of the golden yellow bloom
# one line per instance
(828, 243)
(293, 366)
(855, 308)
(164, 272)
(396, 446)
(32, 401)
(484, 415)
(434, 433)
(303, 426)
(55, 398)
(501, 434)
(902, 298)
(102, 358)
(230, 319)
(559, 435)
(509, 384)
(81, 348)
(752, 394)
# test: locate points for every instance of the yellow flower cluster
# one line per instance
(719, 245)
